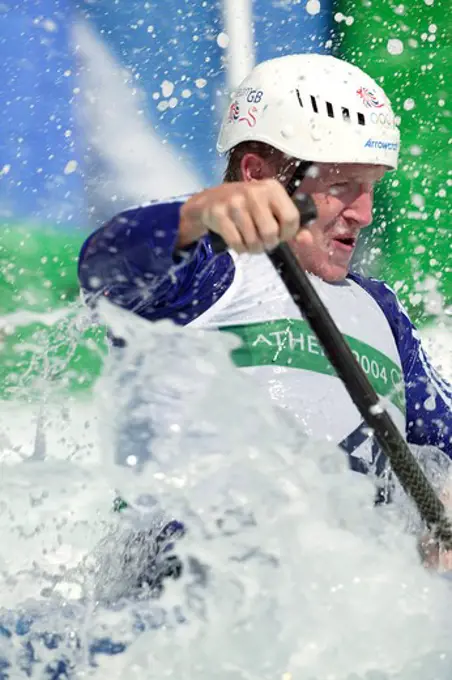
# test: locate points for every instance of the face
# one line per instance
(343, 194)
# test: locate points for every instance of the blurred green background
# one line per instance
(42, 343)
(406, 46)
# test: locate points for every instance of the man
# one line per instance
(158, 262)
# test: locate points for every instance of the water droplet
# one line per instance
(415, 150)
(287, 131)
(418, 200)
(395, 46)
(49, 25)
(162, 106)
(313, 7)
(167, 88)
(71, 166)
(223, 40)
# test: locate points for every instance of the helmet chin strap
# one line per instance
(298, 176)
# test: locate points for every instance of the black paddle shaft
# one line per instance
(391, 441)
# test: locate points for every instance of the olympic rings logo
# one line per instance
(384, 119)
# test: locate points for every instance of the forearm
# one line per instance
(138, 263)
(191, 228)
(133, 252)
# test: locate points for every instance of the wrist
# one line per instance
(191, 227)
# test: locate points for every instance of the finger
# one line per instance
(218, 220)
(231, 235)
(265, 222)
(241, 217)
(285, 212)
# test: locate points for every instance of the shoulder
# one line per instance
(133, 224)
(379, 290)
(388, 301)
(405, 333)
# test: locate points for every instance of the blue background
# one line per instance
(40, 134)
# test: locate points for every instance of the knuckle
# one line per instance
(237, 201)
(271, 182)
(270, 232)
(276, 187)
(217, 211)
(263, 186)
(255, 200)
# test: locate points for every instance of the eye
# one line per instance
(339, 188)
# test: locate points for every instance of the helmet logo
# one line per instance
(250, 118)
(383, 119)
(381, 144)
(234, 112)
(252, 96)
(369, 98)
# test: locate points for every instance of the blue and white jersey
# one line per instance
(133, 261)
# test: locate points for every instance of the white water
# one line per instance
(305, 576)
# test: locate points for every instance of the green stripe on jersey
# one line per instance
(291, 343)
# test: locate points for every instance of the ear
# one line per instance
(253, 166)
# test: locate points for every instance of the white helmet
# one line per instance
(315, 108)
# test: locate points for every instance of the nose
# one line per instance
(360, 210)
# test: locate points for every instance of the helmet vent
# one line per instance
(330, 109)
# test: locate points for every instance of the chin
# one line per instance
(322, 264)
(331, 273)
(335, 274)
